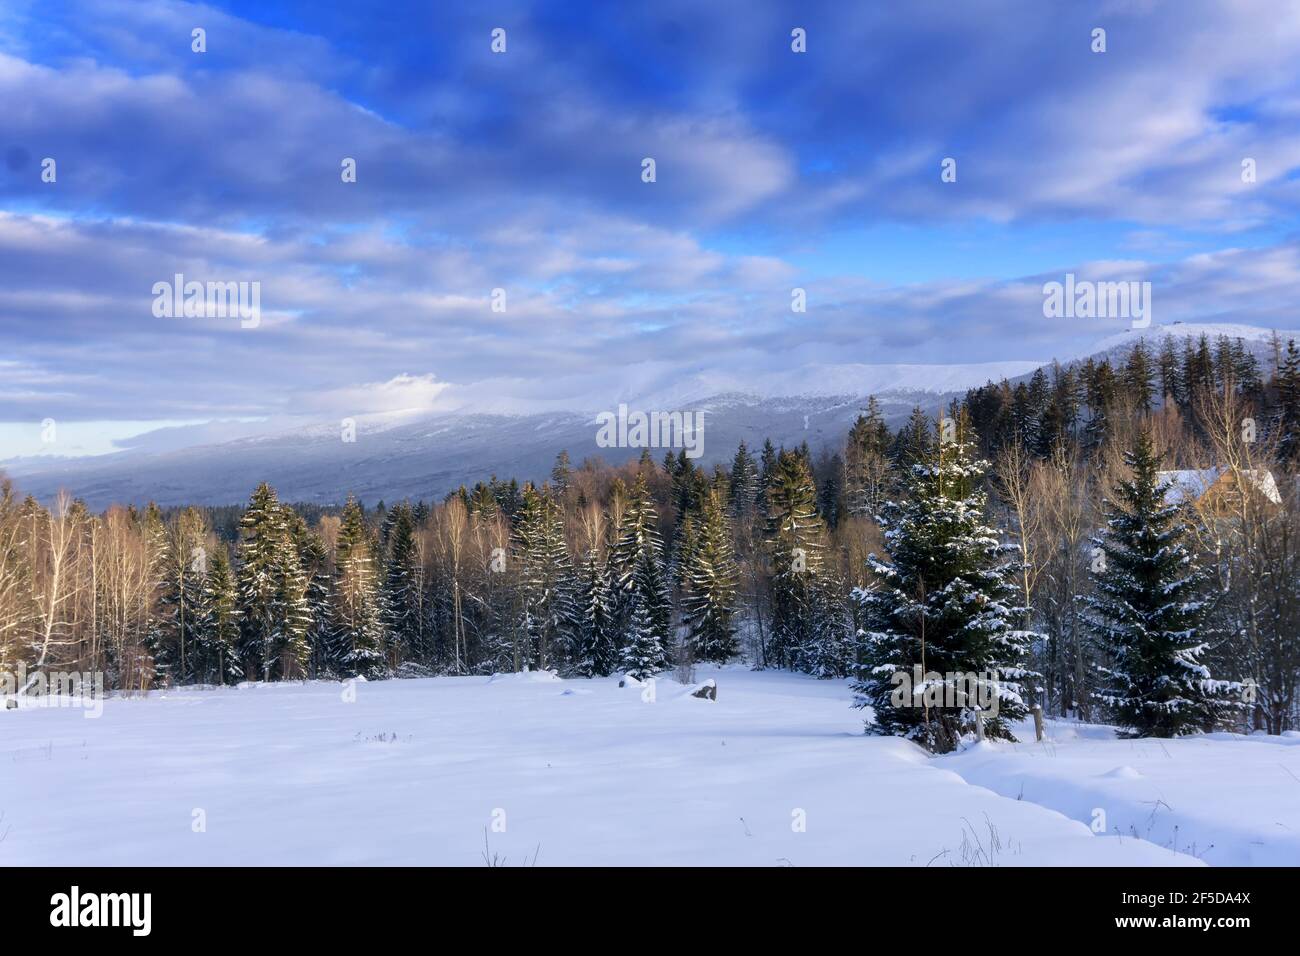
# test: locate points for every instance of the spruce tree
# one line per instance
(549, 619)
(595, 651)
(273, 611)
(216, 652)
(912, 444)
(1288, 405)
(709, 588)
(796, 539)
(652, 604)
(637, 532)
(313, 557)
(642, 655)
(561, 474)
(403, 609)
(945, 600)
(1171, 380)
(865, 453)
(744, 482)
(358, 624)
(181, 570)
(1139, 377)
(766, 468)
(1149, 613)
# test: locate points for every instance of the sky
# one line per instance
(522, 171)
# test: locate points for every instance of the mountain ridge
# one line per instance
(425, 455)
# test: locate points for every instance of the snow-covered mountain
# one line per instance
(426, 455)
(1256, 339)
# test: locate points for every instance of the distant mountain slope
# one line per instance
(426, 457)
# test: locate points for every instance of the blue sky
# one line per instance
(521, 171)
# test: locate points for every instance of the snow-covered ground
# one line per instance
(776, 772)
(1228, 799)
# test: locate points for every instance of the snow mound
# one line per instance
(525, 677)
(1124, 773)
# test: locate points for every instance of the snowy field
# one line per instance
(776, 772)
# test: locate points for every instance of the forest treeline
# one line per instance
(991, 524)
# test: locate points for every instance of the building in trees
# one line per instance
(1150, 610)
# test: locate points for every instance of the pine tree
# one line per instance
(637, 532)
(181, 568)
(358, 625)
(1171, 379)
(216, 651)
(766, 467)
(1062, 413)
(403, 607)
(744, 482)
(865, 456)
(1139, 377)
(1102, 391)
(642, 655)
(1149, 615)
(561, 474)
(796, 539)
(595, 652)
(829, 497)
(652, 602)
(163, 657)
(913, 441)
(709, 588)
(273, 611)
(1288, 405)
(295, 591)
(313, 558)
(549, 619)
(688, 539)
(944, 601)
(482, 504)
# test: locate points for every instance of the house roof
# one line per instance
(1192, 483)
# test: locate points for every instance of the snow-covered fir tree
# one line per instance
(652, 609)
(358, 623)
(1288, 404)
(403, 607)
(637, 532)
(642, 655)
(945, 600)
(709, 587)
(181, 569)
(1149, 614)
(273, 610)
(866, 454)
(313, 558)
(216, 651)
(801, 618)
(561, 474)
(156, 550)
(744, 489)
(595, 649)
(549, 619)
(637, 567)
(766, 468)
(688, 539)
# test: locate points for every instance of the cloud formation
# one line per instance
(521, 172)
